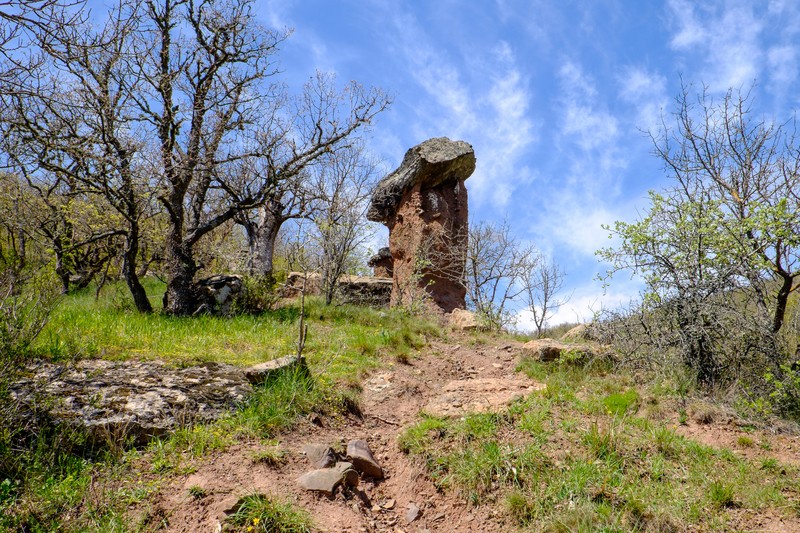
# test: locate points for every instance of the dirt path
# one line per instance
(391, 400)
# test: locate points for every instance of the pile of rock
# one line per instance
(332, 470)
(364, 290)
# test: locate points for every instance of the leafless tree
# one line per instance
(344, 183)
(69, 121)
(542, 284)
(496, 267)
(173, 98)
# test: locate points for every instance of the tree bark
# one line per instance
(129, 259)
(261, 239)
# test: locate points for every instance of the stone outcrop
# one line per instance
(216, 294)
(382, 264)
(136, 400)
(424, 205)
(264, 372)
(365, 290)
(548, 350)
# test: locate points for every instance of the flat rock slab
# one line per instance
(263, 372)
(481, 395)
(133, 399)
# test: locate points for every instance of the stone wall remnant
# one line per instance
(424, 205)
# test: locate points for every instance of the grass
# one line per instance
(580, 457)
(53, 484)
(270, 515)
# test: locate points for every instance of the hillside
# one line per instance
(588, 447)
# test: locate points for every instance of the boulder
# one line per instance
(547, 350)
(366, 290)
(320, 455)
(298, 282)
(216, 294)
(360, 455)
(424, 205)
(581, 332)
(326, 480)
(461, 319)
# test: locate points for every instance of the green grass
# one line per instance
(342, 338)
(52, 484)
(270, 515)
(578, 458)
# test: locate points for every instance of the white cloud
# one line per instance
(690, 32)
(727, 34)
(492, 116)
(583, 119)
(782, 62)
(646, 92)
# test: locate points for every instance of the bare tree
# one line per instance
(542, 283)
(69, 120)
(173, 98)
(299, 150)
(496, 267)
(344, 183)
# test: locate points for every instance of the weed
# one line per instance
(721, 494)
(770, 464)
(603, 443)
(197, 492)
(263, 513)
(272, 455)
(518, 506)
(667, 441)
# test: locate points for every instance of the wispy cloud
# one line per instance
(493, 116)
(647, 95)
(727, 33)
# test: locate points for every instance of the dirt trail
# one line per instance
(391, 400)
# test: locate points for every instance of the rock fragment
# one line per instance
(320, 455)
(359, 453)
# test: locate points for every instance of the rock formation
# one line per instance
(424, 205)
(381, 264)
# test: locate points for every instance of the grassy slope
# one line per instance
(591, 454)
(54, 488)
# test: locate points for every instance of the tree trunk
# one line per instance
(179, 299)
(781, 301)
(261, 239)
(130, 256)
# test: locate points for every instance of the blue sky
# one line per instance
(552, 94)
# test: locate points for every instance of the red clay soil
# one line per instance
(391, 400)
